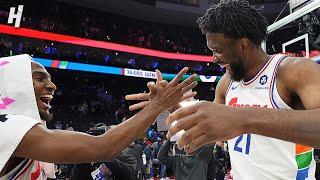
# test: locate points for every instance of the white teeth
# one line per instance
(47, 96)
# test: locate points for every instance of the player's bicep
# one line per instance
(305, 82)
(309, 91)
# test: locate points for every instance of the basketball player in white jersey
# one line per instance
(256, 86)
(234, 32)
(25, 141)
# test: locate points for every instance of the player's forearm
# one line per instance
(110, 144)
(299, 126)
(74, 147)
(118, 138)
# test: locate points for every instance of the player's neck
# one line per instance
(256, 61)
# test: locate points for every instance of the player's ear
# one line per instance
(244, 44)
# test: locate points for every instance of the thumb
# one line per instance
(152, 87)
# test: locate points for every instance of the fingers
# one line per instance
(190, 134)
(158, 75)
(182, 124)
(196, 144)
(162, 83)
(181, 113)
(176, 79)
(188, 81)
(150, 83)
(189, 87)
(139, 105)
(152, 87)
(137, 97)
(187, 96)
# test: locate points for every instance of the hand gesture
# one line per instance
(205, 123)
(160, 85)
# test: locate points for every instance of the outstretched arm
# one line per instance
(73, 147)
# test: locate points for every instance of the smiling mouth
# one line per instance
(46, 99)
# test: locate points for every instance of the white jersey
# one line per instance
(26, 170)
(12, 130)
(258, 157)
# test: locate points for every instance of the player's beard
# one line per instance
(237, 69)
(46, 116)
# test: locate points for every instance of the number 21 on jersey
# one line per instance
(239, 148)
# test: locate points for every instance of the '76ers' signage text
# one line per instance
(140, 73)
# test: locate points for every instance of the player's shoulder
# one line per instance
(293, 67)
(295, 70)
(297, 62)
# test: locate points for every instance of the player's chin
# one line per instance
(46, 115)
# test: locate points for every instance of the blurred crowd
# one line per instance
(151, 157)
(60, 51)
(63, 18)
(68, 19)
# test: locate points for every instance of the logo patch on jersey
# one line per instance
(263, 79)
(6, 102)
(3, 118)
(234, 87)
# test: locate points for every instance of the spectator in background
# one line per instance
(221, 160)
(135, 150)
(152, 135)
(186, 167)
(138, 147)
(69, 127)
(156, 147)
(211, 175)
(104, 173)
(122, 167)
(83, 109)
(3, 50)
(149, 157)
(119, 116)
(58, 125)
